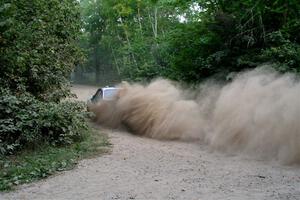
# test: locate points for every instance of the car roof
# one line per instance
(110, 88)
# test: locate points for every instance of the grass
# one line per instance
(34, 165)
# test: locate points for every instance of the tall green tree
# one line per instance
(196, 39)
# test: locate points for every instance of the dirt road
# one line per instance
(141, 168)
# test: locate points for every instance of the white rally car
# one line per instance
(106, 93)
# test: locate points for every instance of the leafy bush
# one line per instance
(29, 166)
(38, 46)
(282, 52)
(286, 57)
(26, 122)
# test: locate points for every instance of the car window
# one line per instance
(98, 96)
(109, 93)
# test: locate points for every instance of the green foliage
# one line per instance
(282, 52)
(38, 51)
(98, 68)
(235, 36)
(28, 123)
(286, 57)
(127, 37)
(38, 46)
(197, 39)
(46, 160)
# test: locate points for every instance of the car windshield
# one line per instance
(110, 93)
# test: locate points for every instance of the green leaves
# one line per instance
(38, 46)
(191, 40)
(28, 123)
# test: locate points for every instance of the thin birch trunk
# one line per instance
(128, 41)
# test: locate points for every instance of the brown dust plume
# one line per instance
(257, 113)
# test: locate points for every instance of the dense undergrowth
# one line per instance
(40, 131)
(27, 123)
(45, 160)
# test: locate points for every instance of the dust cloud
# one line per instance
(257, 113)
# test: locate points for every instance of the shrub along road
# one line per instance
(142, 168)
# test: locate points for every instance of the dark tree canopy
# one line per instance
(195, 39)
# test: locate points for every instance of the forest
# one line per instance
(47, 45)
(188, 41)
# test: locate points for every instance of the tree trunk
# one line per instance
(155, 21)
(128, 41)
(97, 65)
(115, 60)
(139, 19)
